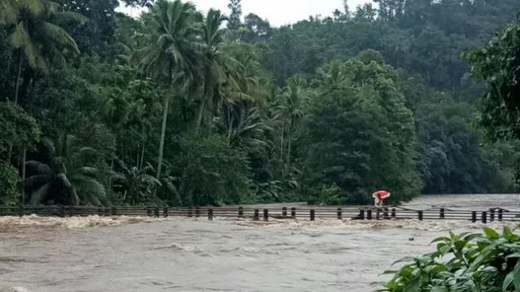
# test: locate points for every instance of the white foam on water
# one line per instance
(70, 222)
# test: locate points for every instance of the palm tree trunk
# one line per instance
(10, 152)
(289, 146)
(111, 177)
(24, 158)
(18, 78)
(281, 149)
(163, 134)
(230, 123)
(201, 115)
(142, 155)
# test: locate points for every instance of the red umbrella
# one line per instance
(380, 195)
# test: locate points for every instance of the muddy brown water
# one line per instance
(180, 254)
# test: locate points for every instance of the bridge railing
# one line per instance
(297, 213)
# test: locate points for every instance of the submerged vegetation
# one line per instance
(184, 107)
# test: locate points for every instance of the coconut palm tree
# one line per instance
(36, 34)
(171, 51)
(68, 177)
(214, 75)
(290, 112)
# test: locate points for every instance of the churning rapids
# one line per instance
(141, 254)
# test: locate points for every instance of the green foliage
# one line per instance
(20, 132)
(68, 177)
(451, 160)
(136, 185)
(359, 135)
(263, 111)
(235, 21)
(424, 37)
(465, 262)
(39, 36)
(9, 193)
(497, 64)
(328, 195)
(211, 172)
(97, 35)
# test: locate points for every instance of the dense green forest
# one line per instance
(184, 107)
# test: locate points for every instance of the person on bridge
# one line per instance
(379, 196)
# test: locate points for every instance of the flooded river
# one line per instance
(128, 254)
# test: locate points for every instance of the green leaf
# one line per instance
(508, 281)
(508, 233)
(404, 260)
(441, 239)
(491, 233)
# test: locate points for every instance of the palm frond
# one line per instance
(34, 6)
(40, 194)
(37, 181)
(71, 17)
(38, 167)
(9, 11)
(90, 190)
(59, 35)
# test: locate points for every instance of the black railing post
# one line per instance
(284, 212)
(442, 214)
(484, 217)
(256, 215)
(473, 216)
(340, 214)
(312, 215)
(165, 212)
(197, 212)
(369, 214)
(361, 214)
(210, 214)
(190, 212)
(240, 212)
(266, 215)
(491, 215)
(500, 214)
(156, 212)
(394, 215)
(293, 213)
(420, 215)
(385, 213)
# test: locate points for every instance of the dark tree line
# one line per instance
(182, 107)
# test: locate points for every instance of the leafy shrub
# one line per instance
(211, 172)
(8, 184)
(327, 195)
(465, 262)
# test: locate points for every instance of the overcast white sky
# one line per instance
(278, 12)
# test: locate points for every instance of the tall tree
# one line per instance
(358, 134)
(235, 17)
(213, 71)
(97, 36)
(171, 52)
(497, 64)
(37, 36)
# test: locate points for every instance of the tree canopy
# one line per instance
(183, 107)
